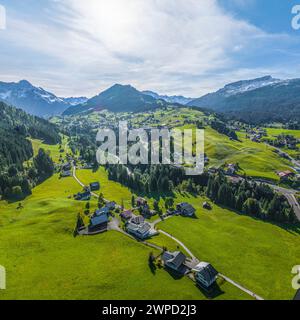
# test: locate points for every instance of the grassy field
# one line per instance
(53, 149)
(255, 159)
(258, 255)
(273, 133)
(44, 261)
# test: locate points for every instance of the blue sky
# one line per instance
(190, 47)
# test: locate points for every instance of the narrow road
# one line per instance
(181, 244)
(114, 225)
(290, 196)
(252, 294)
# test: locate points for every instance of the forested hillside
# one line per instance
(16, 127)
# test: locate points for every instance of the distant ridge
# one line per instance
(118, 98)
(257, 100)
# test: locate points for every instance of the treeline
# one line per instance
(250, 198)
(16, 126)
(222, 128)
(19, 122)
(16, 183)
(155, 178)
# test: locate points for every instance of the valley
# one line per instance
(256, 254)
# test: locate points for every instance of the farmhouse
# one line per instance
(284, 175)
(186, 209)
(126, 215)
(98, 222)
(99, 212)
(66, 167)
(141, 202)
(83, 196)
(95, 186)
(141, 231)
(174, 260)
(65, 174)
(111, 205)
(205, 274)
(137, 220)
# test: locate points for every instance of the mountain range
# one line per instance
(118, 98)
(170, 99)
(258, 100)
(33, 100)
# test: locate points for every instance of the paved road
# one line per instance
(290, 195)
(252, 294)
(114, 225)
(293, 161)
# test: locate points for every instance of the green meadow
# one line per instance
(254, 159)
(258, 255)
(44, 261)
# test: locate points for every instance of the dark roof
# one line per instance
(297, 296)
(126, 214)
(207, 271)
(97, 220)
(138, 220)
(176, 258)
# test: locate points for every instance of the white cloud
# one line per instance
(172, 46)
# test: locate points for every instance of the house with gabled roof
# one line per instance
(186, 209)
(205, 274)
(174, 260)
(141, 231)
(98, 223)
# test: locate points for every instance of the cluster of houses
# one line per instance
(86, 194)
(66, 170)
(256, 134)
(205, 274)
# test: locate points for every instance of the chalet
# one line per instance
(140, 202)
(138, 220)
(205, 274)
(111, 205)
(126, 215)
(186, 209)
(83, 196)
(231, 169)
(101, 211)
(141, 231)
(174, 260)
(207, 206)
(66, 167)
(284, 175)
(65, 174)
(95, 186)
(98, 223)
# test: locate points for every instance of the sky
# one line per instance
(187, 47)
